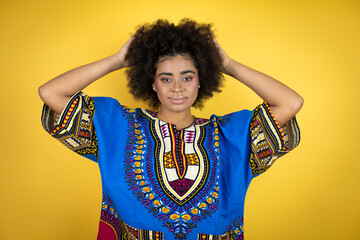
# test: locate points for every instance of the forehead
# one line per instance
(175, 63)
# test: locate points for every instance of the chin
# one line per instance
(178, 108)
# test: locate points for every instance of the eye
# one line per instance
(188, 78)
(165, 79)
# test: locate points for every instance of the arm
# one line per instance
(283, 101)
(57, 92)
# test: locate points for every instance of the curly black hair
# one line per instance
(162, 38)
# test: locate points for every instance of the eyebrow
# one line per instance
(165, 73)
(170, 74)
(187, 71)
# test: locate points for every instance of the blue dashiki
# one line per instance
(162, 183)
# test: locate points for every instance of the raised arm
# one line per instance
(283, 101)
(57, 92)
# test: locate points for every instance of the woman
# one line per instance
(168, 174)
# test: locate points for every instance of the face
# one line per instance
(176, 83)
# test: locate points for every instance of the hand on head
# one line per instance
(225, 59)
(121, 54)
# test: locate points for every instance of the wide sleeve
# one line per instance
(269, 141)
(74, 126)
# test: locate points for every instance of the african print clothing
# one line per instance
(163, 183)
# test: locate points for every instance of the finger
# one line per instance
(214, 40)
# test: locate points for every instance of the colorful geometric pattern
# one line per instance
(268, 143)
(235, 231)
(181, 181)
(167, 188)
(192, 159)
(237, 228)
(111, 226)
(225, 236)
(74, 127)
(168, 160)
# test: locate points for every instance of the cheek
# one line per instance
(157, 86)
(195, 89)
(161, 91)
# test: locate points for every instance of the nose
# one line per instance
(176, 86)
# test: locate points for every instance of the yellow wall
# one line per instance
(48, 192)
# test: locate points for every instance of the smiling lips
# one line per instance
(177, 99)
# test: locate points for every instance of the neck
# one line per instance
(180, 120)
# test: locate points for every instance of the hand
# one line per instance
(121, 55)
(225, 59)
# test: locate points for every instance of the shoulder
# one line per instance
(105, 102)
(108, 106)
(239, 118)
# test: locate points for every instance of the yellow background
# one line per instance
(48, 192)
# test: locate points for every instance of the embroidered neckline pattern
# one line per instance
(180, 194)
(182, 165)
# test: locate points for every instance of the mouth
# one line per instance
(177, 99)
